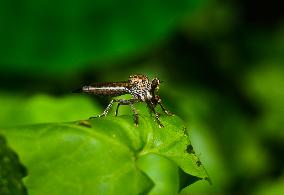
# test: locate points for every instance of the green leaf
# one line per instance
(57, 37)
(11, 171)
(100, 156)
(265, 85)
(162, 171)
(20, 110)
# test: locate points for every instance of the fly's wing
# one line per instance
(106, 89)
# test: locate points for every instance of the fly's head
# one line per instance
(155, 85)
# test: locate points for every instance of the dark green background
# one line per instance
(222, 63)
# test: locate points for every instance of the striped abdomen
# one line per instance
(107, 88)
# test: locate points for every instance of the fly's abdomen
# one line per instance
(107, 89)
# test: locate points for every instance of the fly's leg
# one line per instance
(165, 110)
(152, 108)
(121, 102)
(135, 114)
(131, 103)
(124, 102)
(105, 111)
(116, 111)
(159, 101)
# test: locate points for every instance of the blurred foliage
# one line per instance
(265, 86)
(64, 36)
(271, 188)
(99, 156)
(222, 63)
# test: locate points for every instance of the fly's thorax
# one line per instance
(140, 87)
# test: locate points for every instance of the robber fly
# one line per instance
(138, 86)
